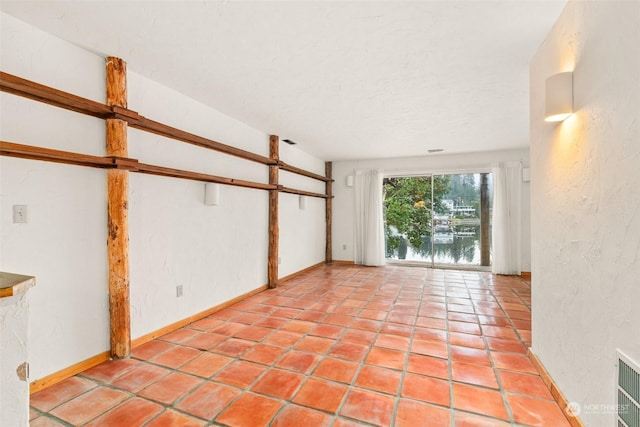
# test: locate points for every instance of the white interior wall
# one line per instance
(215, 252)
(63, 243)
(302, 231)
(584, 189)
(343, 205)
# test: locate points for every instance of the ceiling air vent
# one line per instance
(290, 142)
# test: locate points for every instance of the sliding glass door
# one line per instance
(408, 217)
(442, 220)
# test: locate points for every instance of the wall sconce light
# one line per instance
(350, 181)
(558, 97)
(302, 202)
(211, 194)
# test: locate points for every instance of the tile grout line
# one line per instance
(361, 364)
(398, 394)
(502, 391)
(449, 356)
(310, 375)
(403, 286)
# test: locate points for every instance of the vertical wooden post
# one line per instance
(328, 212)
(485, 246)
(117, 210)
(274, 231)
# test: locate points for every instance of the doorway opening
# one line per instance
(443, 220)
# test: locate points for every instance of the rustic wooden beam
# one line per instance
(125, 163)
(145, 124)
(118, 110)
(196, 176)
(117, 209)
(115, 109)
(288, 168)
(301, 192)
(28, 89)
(274, 230)
(328, 167)
(11, 149)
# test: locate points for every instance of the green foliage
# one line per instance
(407, 207)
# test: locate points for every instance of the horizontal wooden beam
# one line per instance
(29, 89)
(197, 176)
(286, 167)
(142, 123)
(48, 95)
(302, 192)
(11, 149)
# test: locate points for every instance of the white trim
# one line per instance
(438, 266)
(400, 174)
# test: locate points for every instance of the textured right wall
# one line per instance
(585, 204)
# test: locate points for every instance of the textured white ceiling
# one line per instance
(346, 80)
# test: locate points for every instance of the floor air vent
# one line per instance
(628, 392)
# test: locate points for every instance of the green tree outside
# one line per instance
(407, 208)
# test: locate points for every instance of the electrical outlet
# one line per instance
(344, 247)
(179, 291)
(279, 260)
(19, 214)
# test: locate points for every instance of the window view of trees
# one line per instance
(407, 207)
(455, 228)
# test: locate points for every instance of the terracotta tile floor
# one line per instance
(336, 346)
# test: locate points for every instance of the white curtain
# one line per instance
(369, 222)
(507, 218)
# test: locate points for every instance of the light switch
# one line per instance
(19, 214)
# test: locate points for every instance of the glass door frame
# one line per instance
(432, 174)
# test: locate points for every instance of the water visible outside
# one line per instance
(460, 244)
(455, 228)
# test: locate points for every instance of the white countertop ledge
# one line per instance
(14, 284)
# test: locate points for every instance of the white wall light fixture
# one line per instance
(350, 181)
(558, 97)
(211, 194)
(302, 202)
